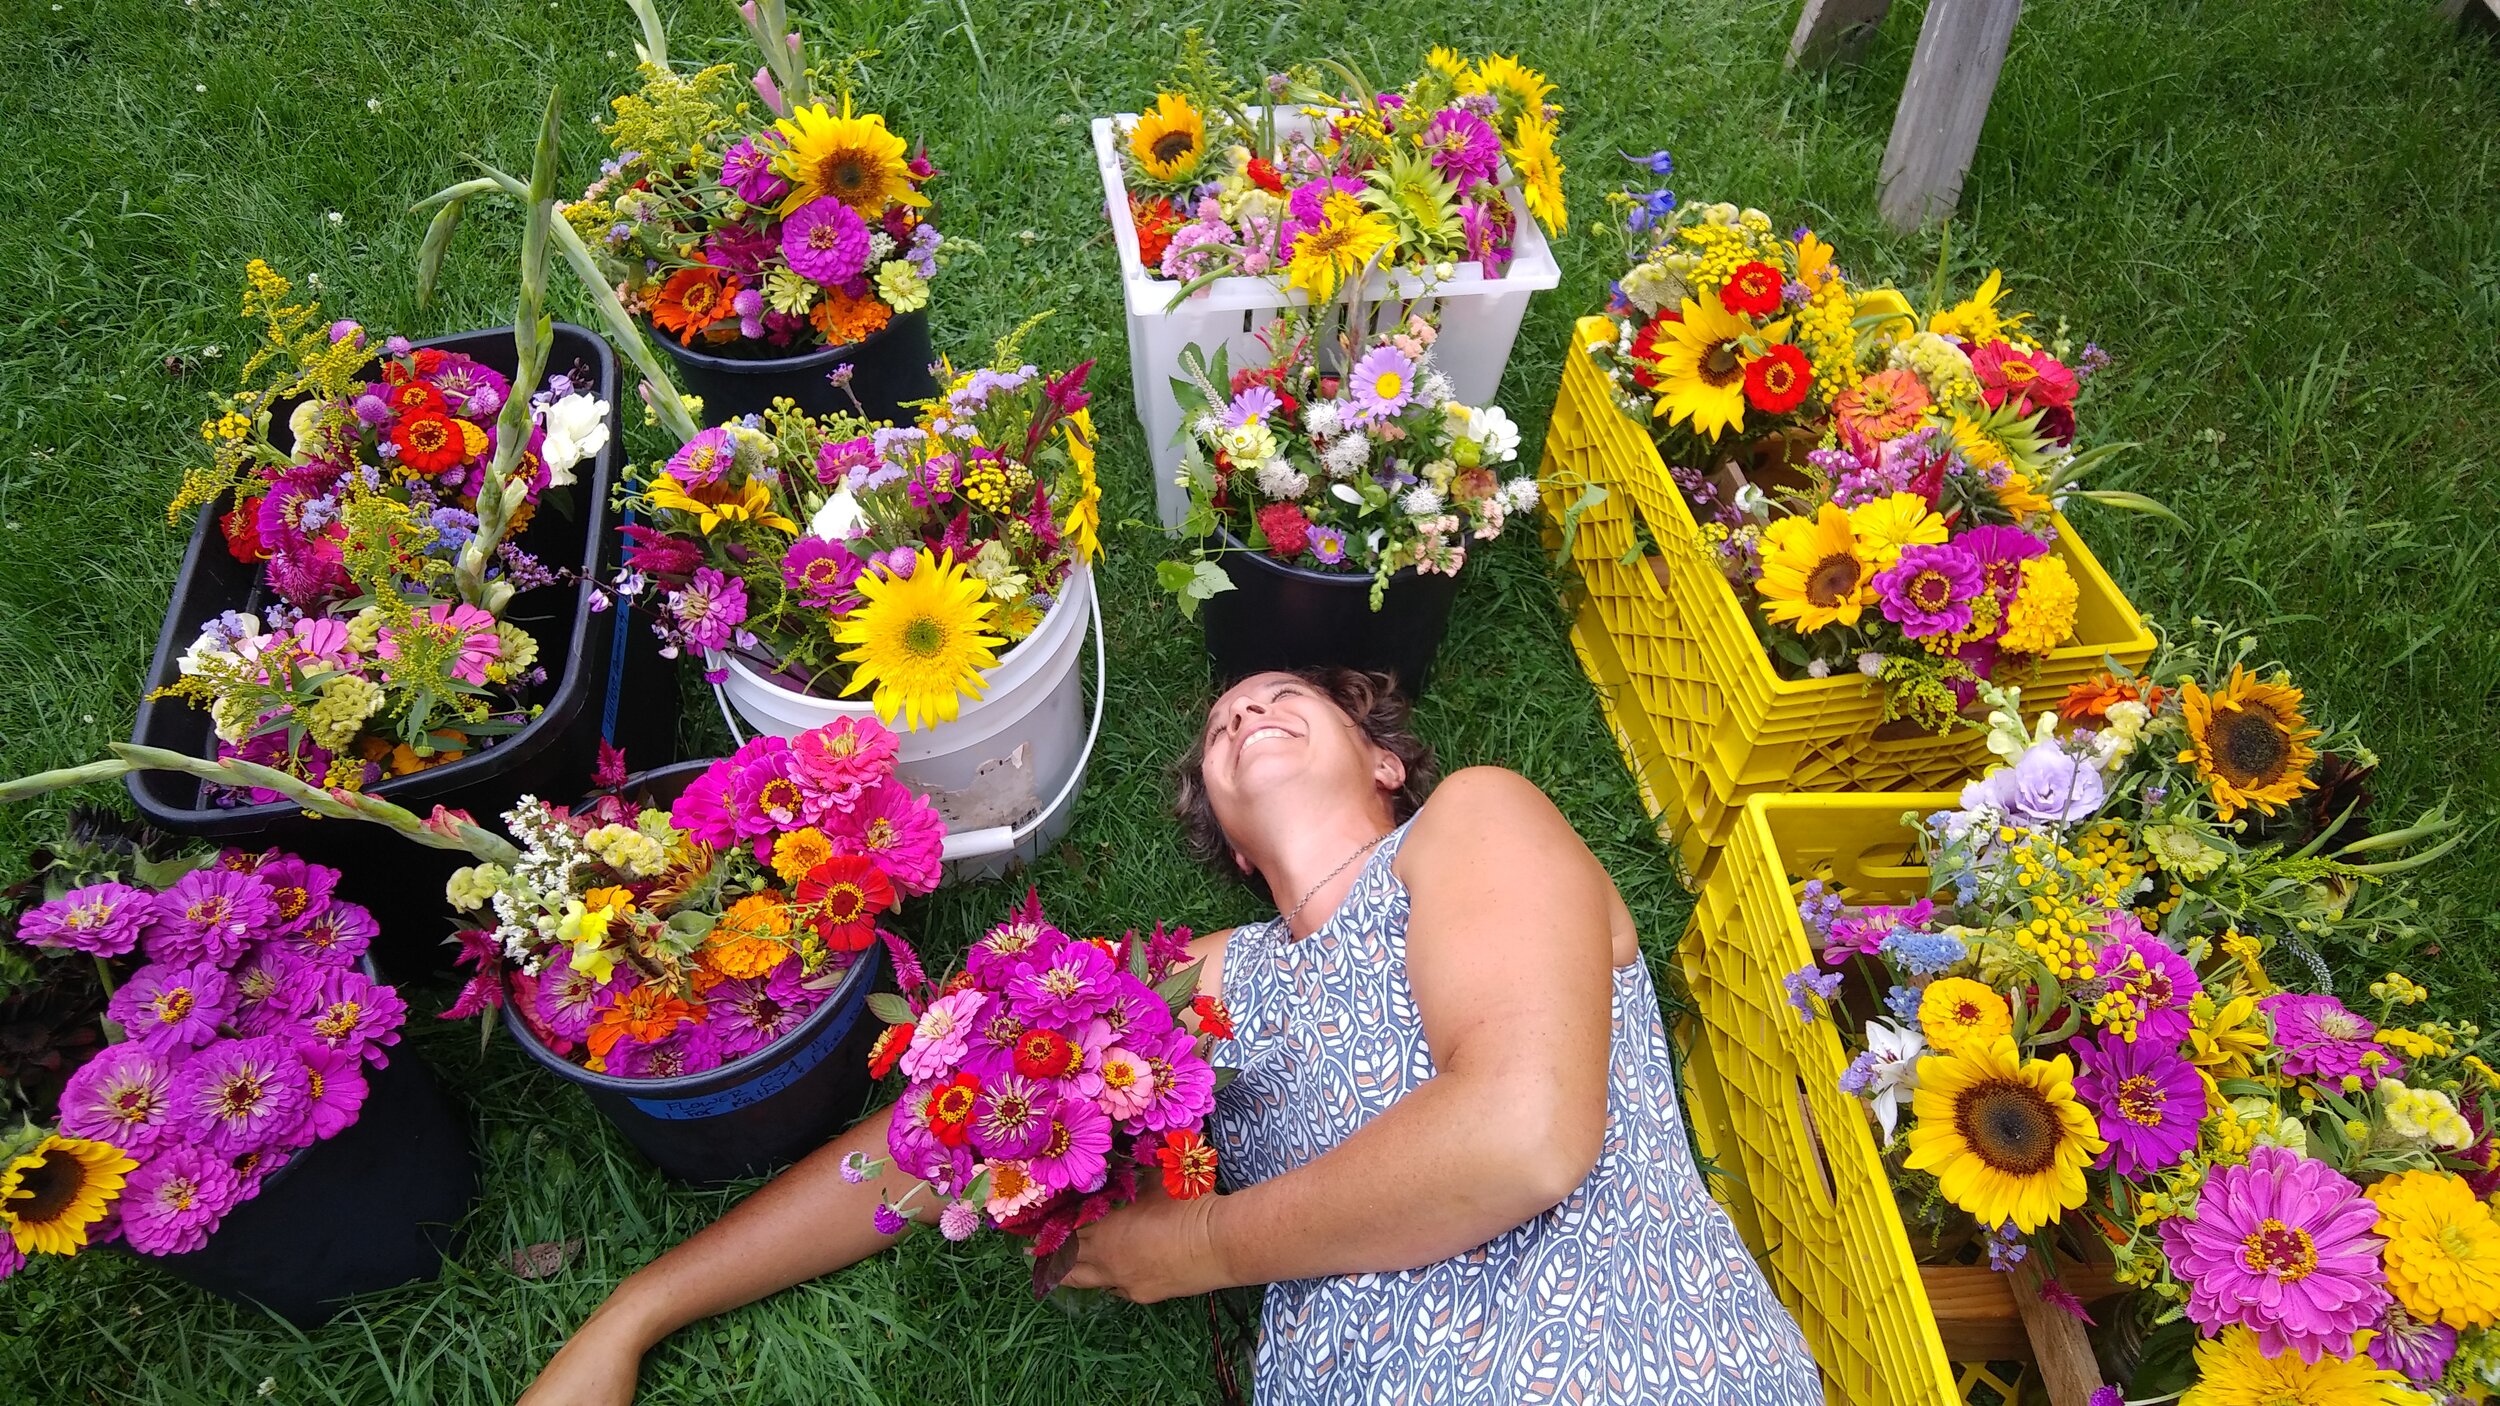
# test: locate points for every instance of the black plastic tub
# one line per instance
(889, 369)
(1281, 616)
(373, 1208)
(597, 679)
(762, 1112)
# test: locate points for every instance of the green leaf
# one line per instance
(437, 239)
(891, 1009)
(1592, 496)
(2130, 502)
(1191, 583)
(1225, 1076)
(1177, 990)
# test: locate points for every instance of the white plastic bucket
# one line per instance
(1005, 773)
(1479, 316)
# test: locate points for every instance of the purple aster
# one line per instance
(825, 240)
(1328, 544)
(239, 1096)
(1012, 1117)
(123, 1096)
(1382, 384)
(175, 1199)
(710, 609)
(747, 170)
(819, 572)
(2160, 991)
(208, 915)
(1929, 590)
(748, 1013)
(1250, 404)
(2147, 1100)
(1184, 1089)
(689, 1049)
(103, 920)
(704, 459)
(355, 1013)
(334, 1090)
(297, 890)
(166, 1008)
(942, 1034)
(271, 989)
(1074, 985)
(2420, 1350)
(1463, 146)
(1073, 1155)
(2321, 1040)
(2284, 1246)
(335, 936)
(567, 1001)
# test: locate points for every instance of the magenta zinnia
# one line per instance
(103, 920)
(208, 915)
(1930, 589)
(2147, 1100)
(240, 1096)
(1463, 146)
(825, 240)
(167, 1008)
(2322, 1040)
(355, 1013)
(2282, 1245)
(901, 833)
(175, 1199)
(123, 1096)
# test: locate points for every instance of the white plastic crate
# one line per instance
(1478, 316)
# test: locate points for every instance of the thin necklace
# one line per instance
(1333, 873)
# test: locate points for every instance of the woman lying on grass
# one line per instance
(1453, 1148)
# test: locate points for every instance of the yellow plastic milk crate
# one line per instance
(1703, 719)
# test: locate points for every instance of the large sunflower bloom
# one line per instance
(1170, 139)
(1338, 247)
(1814, 571)
(2006, 1136)
(50, 1195)
(2248, 741)
(1700, 367)
(918, 642)
(1519, 88)
(1540, 172)
(853, 159)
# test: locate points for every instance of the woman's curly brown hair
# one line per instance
(1374, 704)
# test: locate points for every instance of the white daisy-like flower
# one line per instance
(1491, 427)
(1420, 501)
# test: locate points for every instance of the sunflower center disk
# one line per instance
(46, 1190)
(924, 637)
(2011, 1127)
(1833, 580)
(2252, 747)
(1723, 364)
(1172, 146)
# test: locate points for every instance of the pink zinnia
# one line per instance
(208, 916)
(2147, 1100)
(764, 798)
(272, 987)
(702, 809)
(102, 920)
(939, 1038)
(818, 572)
(1025, 942)
(1073, 1155)
(748, 1013)
(239, 1096)
(1075, 986)
(2161, 993)
(1184, 1083)
(901, 833)
(747, 169)
(168, 1008)
(2322, 1040)
(843, 758)
(1128, 1084)
(1930, 589)
(355, 1013)
(567, 1001)
(334, 1090)
(704, 459)
(2284, 1247)
(175, 1199)
(335, 936)
(2034, 380)
(1463, 146)
(123, 1096)
(825, 240)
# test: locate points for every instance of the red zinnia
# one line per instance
(1262, 173)
(242, 529)
(1645, 349)
(1776, 382)
(429, 441)
(409, 397)
(842, 897)
(1288, 531)
(1188, 1165)
(889, 1048)
(1155, 220)
(1753, 290)
(950, 1109)
(427, 360)
(1214, 1017)
(1046, 1054)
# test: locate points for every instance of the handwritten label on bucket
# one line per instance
(766, 1084)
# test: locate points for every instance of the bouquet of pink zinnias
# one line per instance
(1045, 1076)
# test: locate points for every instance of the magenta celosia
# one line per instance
(174, 1200)
(104, 920)
(2283, 1246)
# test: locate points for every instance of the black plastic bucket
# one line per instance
(596, 678)
(373, 1208)
(889, 369)
(761, 1112)
(1280, 616)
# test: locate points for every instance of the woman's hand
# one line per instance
(597, 1366)
(1152, 1249)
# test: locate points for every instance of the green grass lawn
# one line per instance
(2283, 219)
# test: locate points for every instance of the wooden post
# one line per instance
(1961, 47)
(1834, 32)
(2058, 1347)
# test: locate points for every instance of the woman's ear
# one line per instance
(1241, 861)
(1388, 771)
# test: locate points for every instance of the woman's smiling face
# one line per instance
(1275, 730)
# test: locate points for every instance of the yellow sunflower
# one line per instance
(1449, 64)
(1346, 238)
(853, 159)
(2005, 1136)
(715, 503)
(1814, 572)
(1083, 524)
(1975, 319)
(2232, 1370)
(918, 640)
(2248, 741)
(1887, 524)
(1701, 366)
(51, 1194)
(1958, 1013)
(1540, 171)
(1519, 88)
(1170, 139)
(2443, 1249)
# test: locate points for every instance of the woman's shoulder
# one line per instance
(1473, 796)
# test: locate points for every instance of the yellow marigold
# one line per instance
(2443, 1249)
(2043, 613)
(1958, 1012)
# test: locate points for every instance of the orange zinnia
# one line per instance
(843, 319)
(751, 938)
(647, 1014)
(1886, 405)
(692, 300)
(1188, 1165)
(2094, 697)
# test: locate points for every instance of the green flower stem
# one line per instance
(503, 489)
(104, 977)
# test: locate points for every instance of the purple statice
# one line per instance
(239, 1096)
(208, 915)
(334, 936)
(297, 889)
(355, 1013)
(166, 1008)
(825, 240)
(2090, 362)
(1074, 985)
(747, 169)
(1464, 147)
(175, 1199)
(2147, 1100)
(1818, 907)
(1804, 984)
(1903, 1002)
(1929, 591)
(748, 1013)
(2322, 1041)
(271, 988)
(102, 920)
(524, 571)
(921, 251)
(123, 1096)
(818, 572)
(453, 529)
(707, 613)
(334, 1090)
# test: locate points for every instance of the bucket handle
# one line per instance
(999, 839)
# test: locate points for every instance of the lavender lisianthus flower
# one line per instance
(2048, 786)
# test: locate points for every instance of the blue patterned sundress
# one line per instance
(1635, 1288)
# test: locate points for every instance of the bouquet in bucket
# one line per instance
(1369, 468)
(1047, 1076)
(652, 943)
(355, 474)
(1335, 172)
(2079, 1043)
(240, 1024)
(1880, 485)
(759, 234)
(843, 557)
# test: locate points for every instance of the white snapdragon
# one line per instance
(577, 429)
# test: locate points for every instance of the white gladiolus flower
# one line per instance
(577, 429)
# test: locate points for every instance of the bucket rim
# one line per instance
(1349, 580)
(804, 361)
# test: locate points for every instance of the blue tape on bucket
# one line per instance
(766, 1084)
(616, 659)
